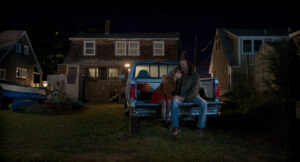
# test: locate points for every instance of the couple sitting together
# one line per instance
(180, 86)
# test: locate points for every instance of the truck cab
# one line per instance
(143, 80)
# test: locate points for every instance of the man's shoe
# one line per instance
(175, 131)
(201, 132)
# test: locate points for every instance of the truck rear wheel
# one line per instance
(133, 124)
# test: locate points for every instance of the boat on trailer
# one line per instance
(20, 95)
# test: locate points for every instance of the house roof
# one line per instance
(8, 40)
(228, 48)
(295, 34)
(127, 35)
(258, 32)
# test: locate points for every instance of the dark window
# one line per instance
(72, 71)
(257, 45)
(247, 46)
(36, 75)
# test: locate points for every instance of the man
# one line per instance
(187, 90)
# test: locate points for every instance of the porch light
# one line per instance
(45, 83)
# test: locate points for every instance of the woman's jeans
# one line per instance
(175, 106)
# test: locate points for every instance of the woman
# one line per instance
(163, 94)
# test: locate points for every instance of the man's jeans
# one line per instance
(202, 114)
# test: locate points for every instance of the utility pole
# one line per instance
(195, 50)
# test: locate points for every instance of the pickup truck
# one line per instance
(145, 77)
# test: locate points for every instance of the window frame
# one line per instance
(23, 69)
(138, 48)
(21, 72)
(26, 50)
(117, 72)
(72, 66)
(154, 48)
(251, 46)
(96, 72)
(19, 48)
(84, 48)
(116, 48)
(262, 42)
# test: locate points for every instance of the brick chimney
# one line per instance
(107, 27)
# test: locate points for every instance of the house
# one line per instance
(232, 56)
(103, 60)
(18, 61)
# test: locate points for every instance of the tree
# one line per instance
(285, 66)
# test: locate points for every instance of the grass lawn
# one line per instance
(100, 133)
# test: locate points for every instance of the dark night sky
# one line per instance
(155, 16)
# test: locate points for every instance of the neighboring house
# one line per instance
(18, 61)
(233, 52)
(103, 60)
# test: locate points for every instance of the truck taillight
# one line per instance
(217, 90)
(132, 91)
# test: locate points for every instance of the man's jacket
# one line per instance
(187, 86)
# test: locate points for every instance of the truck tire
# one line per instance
(133, 125)
(126, 109)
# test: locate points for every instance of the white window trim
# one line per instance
(116, 49)
(26, 50)
(84, 48)
(18, 48)
(163, 48)
(4, 77)
(138, 48)
(252, 46)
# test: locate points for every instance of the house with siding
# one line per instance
(103, 61)
(233, 52)
(18, 62)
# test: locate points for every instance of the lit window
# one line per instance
(120, 48)
(113, 72)
(158, 48)
(133, 48)
(2, 74)
(24, 73)
(26, 50)
(93, 72)
(21, 73)
(89, 48)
